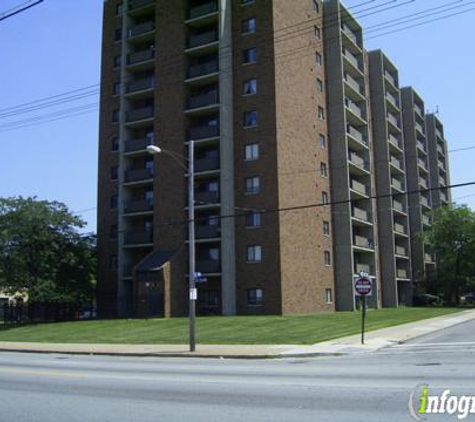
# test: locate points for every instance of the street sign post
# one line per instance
(363, 288)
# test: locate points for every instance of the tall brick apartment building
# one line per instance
(275, 96)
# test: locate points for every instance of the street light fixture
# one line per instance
(154, 149)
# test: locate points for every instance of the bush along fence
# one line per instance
(45, 312)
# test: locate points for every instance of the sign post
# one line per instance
(363, 288)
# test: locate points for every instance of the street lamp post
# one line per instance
(153, 149)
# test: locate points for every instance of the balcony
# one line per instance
(443, 197)
(396, 163)
(400, 228)
(362, 242)
(139, 114)
(441, 166)
(397, 184)
(394, 121)
(355, 159)
(208, 266)
(203, 100)
(402, 273)
(203, 69)
(425, 201)
(399, 206)
(203, 132)
(352, 59)
(203, 10)
(442, 181)
(139, 238)
(421, 146)
(140, 56)
(137, 206)
(401, 251)
(390, 78)
(141, 29)
(438, 133)
(356, 134)
(364, 268)
(206, 164)
(206, 198)
(428, 258)
(390, 97)
(395, 141)
(353, 83)
(203, 39)
(135, 145)
(139, 175)
(422, 164)
(426, 220)
(418, 111)
(440, 149)
(350, 34)
(419, 128)
(140, 85)
(353, 107)
(360, 214)
(359, 187)
(208, 232)
(423, 183)
(138, 4)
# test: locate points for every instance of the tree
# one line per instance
(42, 252)
(452, 238)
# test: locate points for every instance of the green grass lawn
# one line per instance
(295, 329)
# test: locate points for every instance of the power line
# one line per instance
(14, 12)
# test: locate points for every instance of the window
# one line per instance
(317, 32)
(114, 201)
(323, 170)
(326, 228)
(252, 185)
(321, 113)
(115, 143)
(319, 86)
(323, 141)
(254, 254)
(114, 173)
(328, 296)
(119, 10)
(319, 59)
(253, 219)
(208, 298)
(115, 116)
(325, 198)
(248, 26)
(250, 87)
(327, 258)
(117, 88)
(117, 61)
(113, 262)
(249, 56)
(114, 231)
(246, 2)
(254, 297)
(149, 196)
(316, 6)
(250, 118)
(251, 152)
(118, 34)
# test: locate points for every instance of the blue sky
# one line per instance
(55, 47)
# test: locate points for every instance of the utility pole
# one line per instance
(191, 245)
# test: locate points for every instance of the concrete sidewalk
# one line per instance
(375, 340)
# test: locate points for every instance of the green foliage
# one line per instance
(43, 254)
(452, 237)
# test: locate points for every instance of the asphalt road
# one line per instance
(370, 387)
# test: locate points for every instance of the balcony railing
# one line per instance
(203, 10)
(203, 132)
(355, 133)
(426, 220)
(441, 166)
(139, 114)
(438, 133)
(360, 214)
(206, 198)
(396, 163)
(421, 146)
(203, 39)
(352, 58)
(401, 250)
(141, 56)
(137, 4)
(203, 100)
(203, 69)
(206, 164)
(354, 108)
(419, 127)
(428, 257)
(358, 187)
(440, 148)
(395, 141)
(208, 232)
(442, 181)
(390, 78)
(365, 268)
(418, 111)
(208, 266)
(423, 182)
(353, 83)
(140, 29)
(137, 144)
(400, 228)
(362, 242)
(358, 161)
(443, 197)
(392, 99)
(398, 206)
(396, 183)
(401, 273)
(394, 120)
(138, 206)
(140, 85)
(138, 175)
(421, 163)
(424, 201)
(139, 238)
(347, 30)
